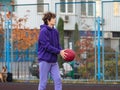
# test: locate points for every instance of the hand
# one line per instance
(63, 54)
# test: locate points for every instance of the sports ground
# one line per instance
(33, 86)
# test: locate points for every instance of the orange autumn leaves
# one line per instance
(22, 36)
(23, 39)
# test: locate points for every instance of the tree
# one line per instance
(84, 49)
(60, 28)
(85, 54)
(76, 36)
(23, 37)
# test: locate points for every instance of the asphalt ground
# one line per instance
(34, 86)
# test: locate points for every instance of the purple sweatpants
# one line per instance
(53, 69)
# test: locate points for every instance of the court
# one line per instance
(33, 86)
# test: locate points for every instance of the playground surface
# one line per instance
(34, 86)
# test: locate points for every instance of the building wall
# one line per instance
(111, 21)
(35, 18)
(111, 17)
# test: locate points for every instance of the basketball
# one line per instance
(70, 55)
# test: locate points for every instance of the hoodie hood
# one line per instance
(46, 26)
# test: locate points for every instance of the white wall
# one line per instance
(111, 21)
(34, 18)
(26, 1)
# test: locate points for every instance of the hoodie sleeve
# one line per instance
(45, 43)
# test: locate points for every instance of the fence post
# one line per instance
(116, 56)
(98, 74)
(8, 26)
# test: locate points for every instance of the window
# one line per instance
(40, 8)
(90, 9)
(67, 8)
(87, 9)
(70, 7)
(62, 7)
(116, 34)
(98, 8)
(83, 9)
(116, 8)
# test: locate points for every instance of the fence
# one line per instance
(110, 28)
(20, 25)
(97, 55)
(79, 35)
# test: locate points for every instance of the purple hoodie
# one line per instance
(48, 44)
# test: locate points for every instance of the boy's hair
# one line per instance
(47, 17)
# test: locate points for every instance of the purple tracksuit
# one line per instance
(48, 49)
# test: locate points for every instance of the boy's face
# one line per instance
(52, 21)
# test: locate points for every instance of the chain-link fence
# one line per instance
(79, 19)
(19, 30)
